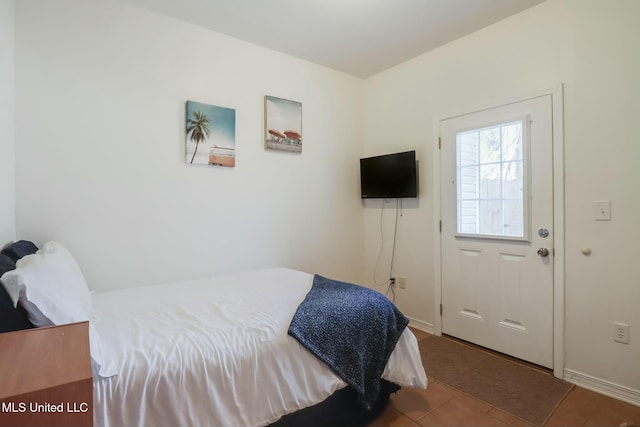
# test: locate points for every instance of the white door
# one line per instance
(497, 229)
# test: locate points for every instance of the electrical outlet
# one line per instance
(392, 281)
(621, 332)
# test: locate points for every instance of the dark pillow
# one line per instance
(11, 318)
(6, 264)
(21, 248)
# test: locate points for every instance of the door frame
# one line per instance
(557, 122)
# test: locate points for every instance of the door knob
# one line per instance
(543, 252)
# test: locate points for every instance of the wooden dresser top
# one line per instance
(35, 359)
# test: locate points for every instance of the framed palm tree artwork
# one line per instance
(210, 137)
(282, 124)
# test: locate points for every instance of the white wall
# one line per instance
(7, 128)
(101, 91)
(591, 47)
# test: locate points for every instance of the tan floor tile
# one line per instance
(591, 422)
(469, 400)
(562, 418)
(391, 417)
(419, 334)
(415, 403)
(597, 409)
(455, 413)
(431, 380)
(508, 418)
(444, 405)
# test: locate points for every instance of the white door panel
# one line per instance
(496, 193)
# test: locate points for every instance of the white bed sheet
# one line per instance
(215, 352)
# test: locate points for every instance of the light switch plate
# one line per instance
(602, 210)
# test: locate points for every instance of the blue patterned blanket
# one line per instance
(352, 329)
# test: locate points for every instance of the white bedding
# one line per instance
(215, 352)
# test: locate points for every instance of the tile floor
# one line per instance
(441, 405)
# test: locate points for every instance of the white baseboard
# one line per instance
(601, 386)
(419, 324)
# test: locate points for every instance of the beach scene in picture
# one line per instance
(283, 124)
(210, 135)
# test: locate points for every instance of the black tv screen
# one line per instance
(389, 176)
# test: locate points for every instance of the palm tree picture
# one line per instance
(199, 129)
(210, 134)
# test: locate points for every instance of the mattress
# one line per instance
(215, 352)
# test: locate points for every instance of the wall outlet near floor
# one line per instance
(400, 282)
(621, 332)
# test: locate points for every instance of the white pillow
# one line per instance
(51, 288)
(36, 317)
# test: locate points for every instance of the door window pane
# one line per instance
(468, 153)
(490, 176)
(490, 183)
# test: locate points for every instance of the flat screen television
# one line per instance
(389, 176)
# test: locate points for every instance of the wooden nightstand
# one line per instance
(45, 377)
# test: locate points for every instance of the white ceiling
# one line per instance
(359, 37)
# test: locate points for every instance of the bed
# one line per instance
(209, 352)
